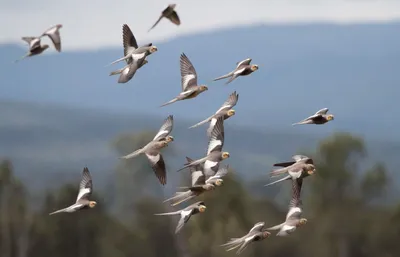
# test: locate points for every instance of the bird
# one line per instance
(85, 191)
(214, 151)
(186, 213)
(256, 233)
(35, 47)
(132, 52)
(170, 14)
(319, 118)
(243, 68)
(225, 111)
(152, 150)
(200, 183)
(54, 34)
(302, 167)
(293, 217)
(190, 89)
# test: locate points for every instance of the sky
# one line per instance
(95, 24)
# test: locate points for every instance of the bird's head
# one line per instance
(302, 222)
(219, 182)
(59, 26)
(92, 204)
(310, 169)
(202, 208)
(203, 88)
(231, 112)
(266, 234)
(153, 49)
(254, 67)
(330, 117)
(225, 155)
(169, 139)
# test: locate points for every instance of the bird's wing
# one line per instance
(230, 102)
(299, 157)
(158, 166)
(259, 226)
(128, 72)
(128, 40)
(86, 185)
(54, 34)
(283, 164)
(222, 171)
(295, 202)
(216, 141)
(185, 216)
(322, 111)
(188, 73)
(244, 62)
(165, 129)
(198, 177)
(174, 18)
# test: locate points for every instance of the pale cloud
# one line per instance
(97, 24)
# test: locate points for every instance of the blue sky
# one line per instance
(97, 24)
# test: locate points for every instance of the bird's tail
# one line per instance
(224, 76)
(235, 243)
(131, 155)
(276, 227)
(181, 197)
(20, 59)
(202, 122)
(279, 180)
(116, 72)
(278, 172)
(302, 122)
(168, 213)
(120, 59)
(62, 210)
(170, 102)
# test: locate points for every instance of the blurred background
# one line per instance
(60, 112)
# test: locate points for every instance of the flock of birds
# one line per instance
(206, 172)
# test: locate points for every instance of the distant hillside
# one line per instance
(48, 141)
(352, 69)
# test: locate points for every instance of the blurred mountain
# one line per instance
(352, 69)
(50, 144)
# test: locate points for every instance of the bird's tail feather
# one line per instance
(278, 172)
(168, 213)
(116, 72)
(131, 155)
(62, 210)
(120, 59)
(170, 102)
(20, 59)
(202, 122)
(180, 197)
(279, 180)
(223, 77)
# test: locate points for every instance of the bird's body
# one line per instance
(319, 118)
(256, 233)
(82, 200)
(170, 14)
(186, 213)
(243, 68)
(190, 88)
(152, 150)
(293, 217)
(35, 47)
(224, 111)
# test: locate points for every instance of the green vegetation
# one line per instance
(341, 203)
